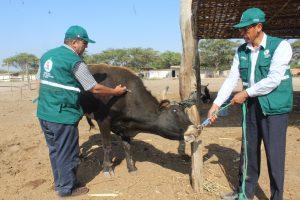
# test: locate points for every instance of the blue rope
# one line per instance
(208, 121)
(242, 194)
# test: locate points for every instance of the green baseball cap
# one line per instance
(251, 16)
(78, 32)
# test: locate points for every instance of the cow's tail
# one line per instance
(89, 120)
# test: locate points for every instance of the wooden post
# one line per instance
(28, 78)
(189, 57)
(21, 91)
(196, 146)
(197, 165)
(197, 156)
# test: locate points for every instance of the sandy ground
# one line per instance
(25, 171)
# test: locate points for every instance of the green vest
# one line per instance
(59, 90)
(280, 100)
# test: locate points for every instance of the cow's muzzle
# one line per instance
(191, 134)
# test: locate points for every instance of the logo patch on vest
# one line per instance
(48, 65)
(267, 53)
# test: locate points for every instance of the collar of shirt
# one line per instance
(263, 44)
(67, 46)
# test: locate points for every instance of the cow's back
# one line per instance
(129, 105)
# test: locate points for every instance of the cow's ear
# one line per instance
(164, 104)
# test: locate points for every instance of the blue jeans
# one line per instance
(62, 141)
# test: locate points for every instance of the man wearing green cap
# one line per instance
(63, 75)
(262, 63)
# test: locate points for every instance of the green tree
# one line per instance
(116, 57)
(143, 58)
(217, 54)
(24, 61)
(135, 58)
(296, 54)
(169, 58)
(88, 58)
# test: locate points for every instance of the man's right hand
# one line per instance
(119, 90)
(211, 113)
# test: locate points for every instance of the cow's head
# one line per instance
(174, 123)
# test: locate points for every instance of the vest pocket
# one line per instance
(264, 66)
(279, 99)
(244, 73)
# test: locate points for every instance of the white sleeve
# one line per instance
(230, 83)
(279, 64)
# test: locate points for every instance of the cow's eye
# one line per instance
(174, 110)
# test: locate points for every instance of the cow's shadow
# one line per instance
(92, 157)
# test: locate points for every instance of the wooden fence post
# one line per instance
(190, 58)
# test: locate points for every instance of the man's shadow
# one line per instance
(92, 157)
(228, 159)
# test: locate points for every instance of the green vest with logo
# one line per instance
(278, 101)
(59, 90)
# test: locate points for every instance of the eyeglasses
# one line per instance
(83, 41)
(247, 29)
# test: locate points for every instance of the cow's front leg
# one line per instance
(126, 143)
(106, 143)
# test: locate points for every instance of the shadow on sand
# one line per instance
(92, 152)
(228, 159)
(92, 159)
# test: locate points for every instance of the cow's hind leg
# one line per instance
(126, 142)
(106, 143)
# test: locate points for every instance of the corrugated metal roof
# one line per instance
(213, 19)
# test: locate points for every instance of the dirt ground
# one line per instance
(25, 171)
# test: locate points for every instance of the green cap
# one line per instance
(78, 32)
(251, 16)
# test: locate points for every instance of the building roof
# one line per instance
(213, 19)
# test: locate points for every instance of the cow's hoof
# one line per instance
(108, 172)
(132, 169)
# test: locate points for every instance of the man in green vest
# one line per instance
(63, 75)
(262, 63)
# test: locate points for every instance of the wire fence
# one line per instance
(17, 85)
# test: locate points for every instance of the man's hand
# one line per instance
(240, 97)
(102, 90)
(211, 113)
(119, 90)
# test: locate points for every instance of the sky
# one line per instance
(35, 26)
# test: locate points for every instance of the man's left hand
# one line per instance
(240, 97)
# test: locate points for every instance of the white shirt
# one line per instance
(279, 64)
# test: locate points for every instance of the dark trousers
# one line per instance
(62, 141)
(272, 130)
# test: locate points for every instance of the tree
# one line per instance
(217, 54)
(296, 54)
(169, 58)
(26, 62)
(135, 58)
(143, 58)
